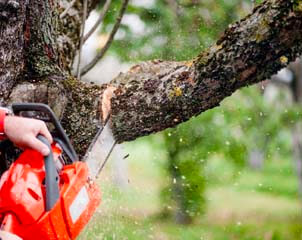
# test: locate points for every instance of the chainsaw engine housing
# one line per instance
(49, 198)
(22, 200)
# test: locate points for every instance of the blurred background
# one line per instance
(234, 172)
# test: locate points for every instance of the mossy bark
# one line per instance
(157, 95)
(37, 49)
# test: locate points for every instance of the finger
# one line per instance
(36, 144)
(44, 131)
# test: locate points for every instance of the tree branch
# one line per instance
(157, 95)
(36, 50)
(70, 5)
(101, 54)
(99, 21)
(82, 39)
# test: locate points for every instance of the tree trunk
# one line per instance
(181, 216)
(37, 49)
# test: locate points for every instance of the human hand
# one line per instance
(24, 131)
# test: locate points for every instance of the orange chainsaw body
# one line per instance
(22, 199)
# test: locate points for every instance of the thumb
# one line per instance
(36, 144)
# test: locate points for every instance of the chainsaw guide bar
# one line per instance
(100, 150)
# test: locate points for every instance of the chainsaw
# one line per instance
(51, 197)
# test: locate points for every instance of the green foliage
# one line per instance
(236, 209)
(173, 34)
(243, 123)
(262, 125)
(184, 193)
(231, 132)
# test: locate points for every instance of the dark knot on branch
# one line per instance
(8, 9)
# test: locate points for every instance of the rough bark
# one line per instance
(156, 95)
(37, 48)
(12, 21)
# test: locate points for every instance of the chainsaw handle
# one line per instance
(40, 107)
(51, 177)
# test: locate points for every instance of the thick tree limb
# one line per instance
(157, 95)
(37, 49)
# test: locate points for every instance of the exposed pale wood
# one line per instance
(157, 95)
(37, 49)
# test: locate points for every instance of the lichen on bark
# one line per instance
(35, 65)
(250, 51)
(81, 118)
(12, 21)
(37, 49)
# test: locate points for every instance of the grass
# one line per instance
(247, 205)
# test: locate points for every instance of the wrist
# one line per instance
(4, 112)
